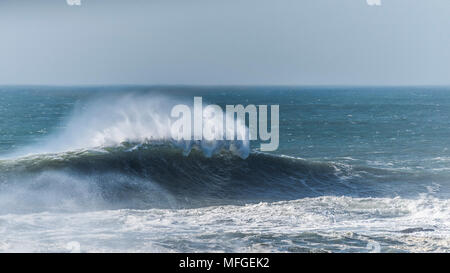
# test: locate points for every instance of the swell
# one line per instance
(162, 176)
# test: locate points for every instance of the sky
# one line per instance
(225, 42)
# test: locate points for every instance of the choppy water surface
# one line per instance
(92, 169)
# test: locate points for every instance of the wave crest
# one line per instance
(112, 120)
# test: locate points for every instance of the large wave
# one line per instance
(116, 152)
(162, 176)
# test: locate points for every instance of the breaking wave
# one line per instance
(115, 152)
(161, 176)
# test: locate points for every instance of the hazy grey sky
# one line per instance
(225, 42)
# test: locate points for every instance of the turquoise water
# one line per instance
(357, 169)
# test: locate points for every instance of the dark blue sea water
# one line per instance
(357, 169)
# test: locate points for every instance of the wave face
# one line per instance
(144, 176)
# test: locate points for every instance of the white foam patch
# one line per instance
(328, 223)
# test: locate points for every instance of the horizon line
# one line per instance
(221, 85)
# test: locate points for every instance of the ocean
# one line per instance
(358, 169)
